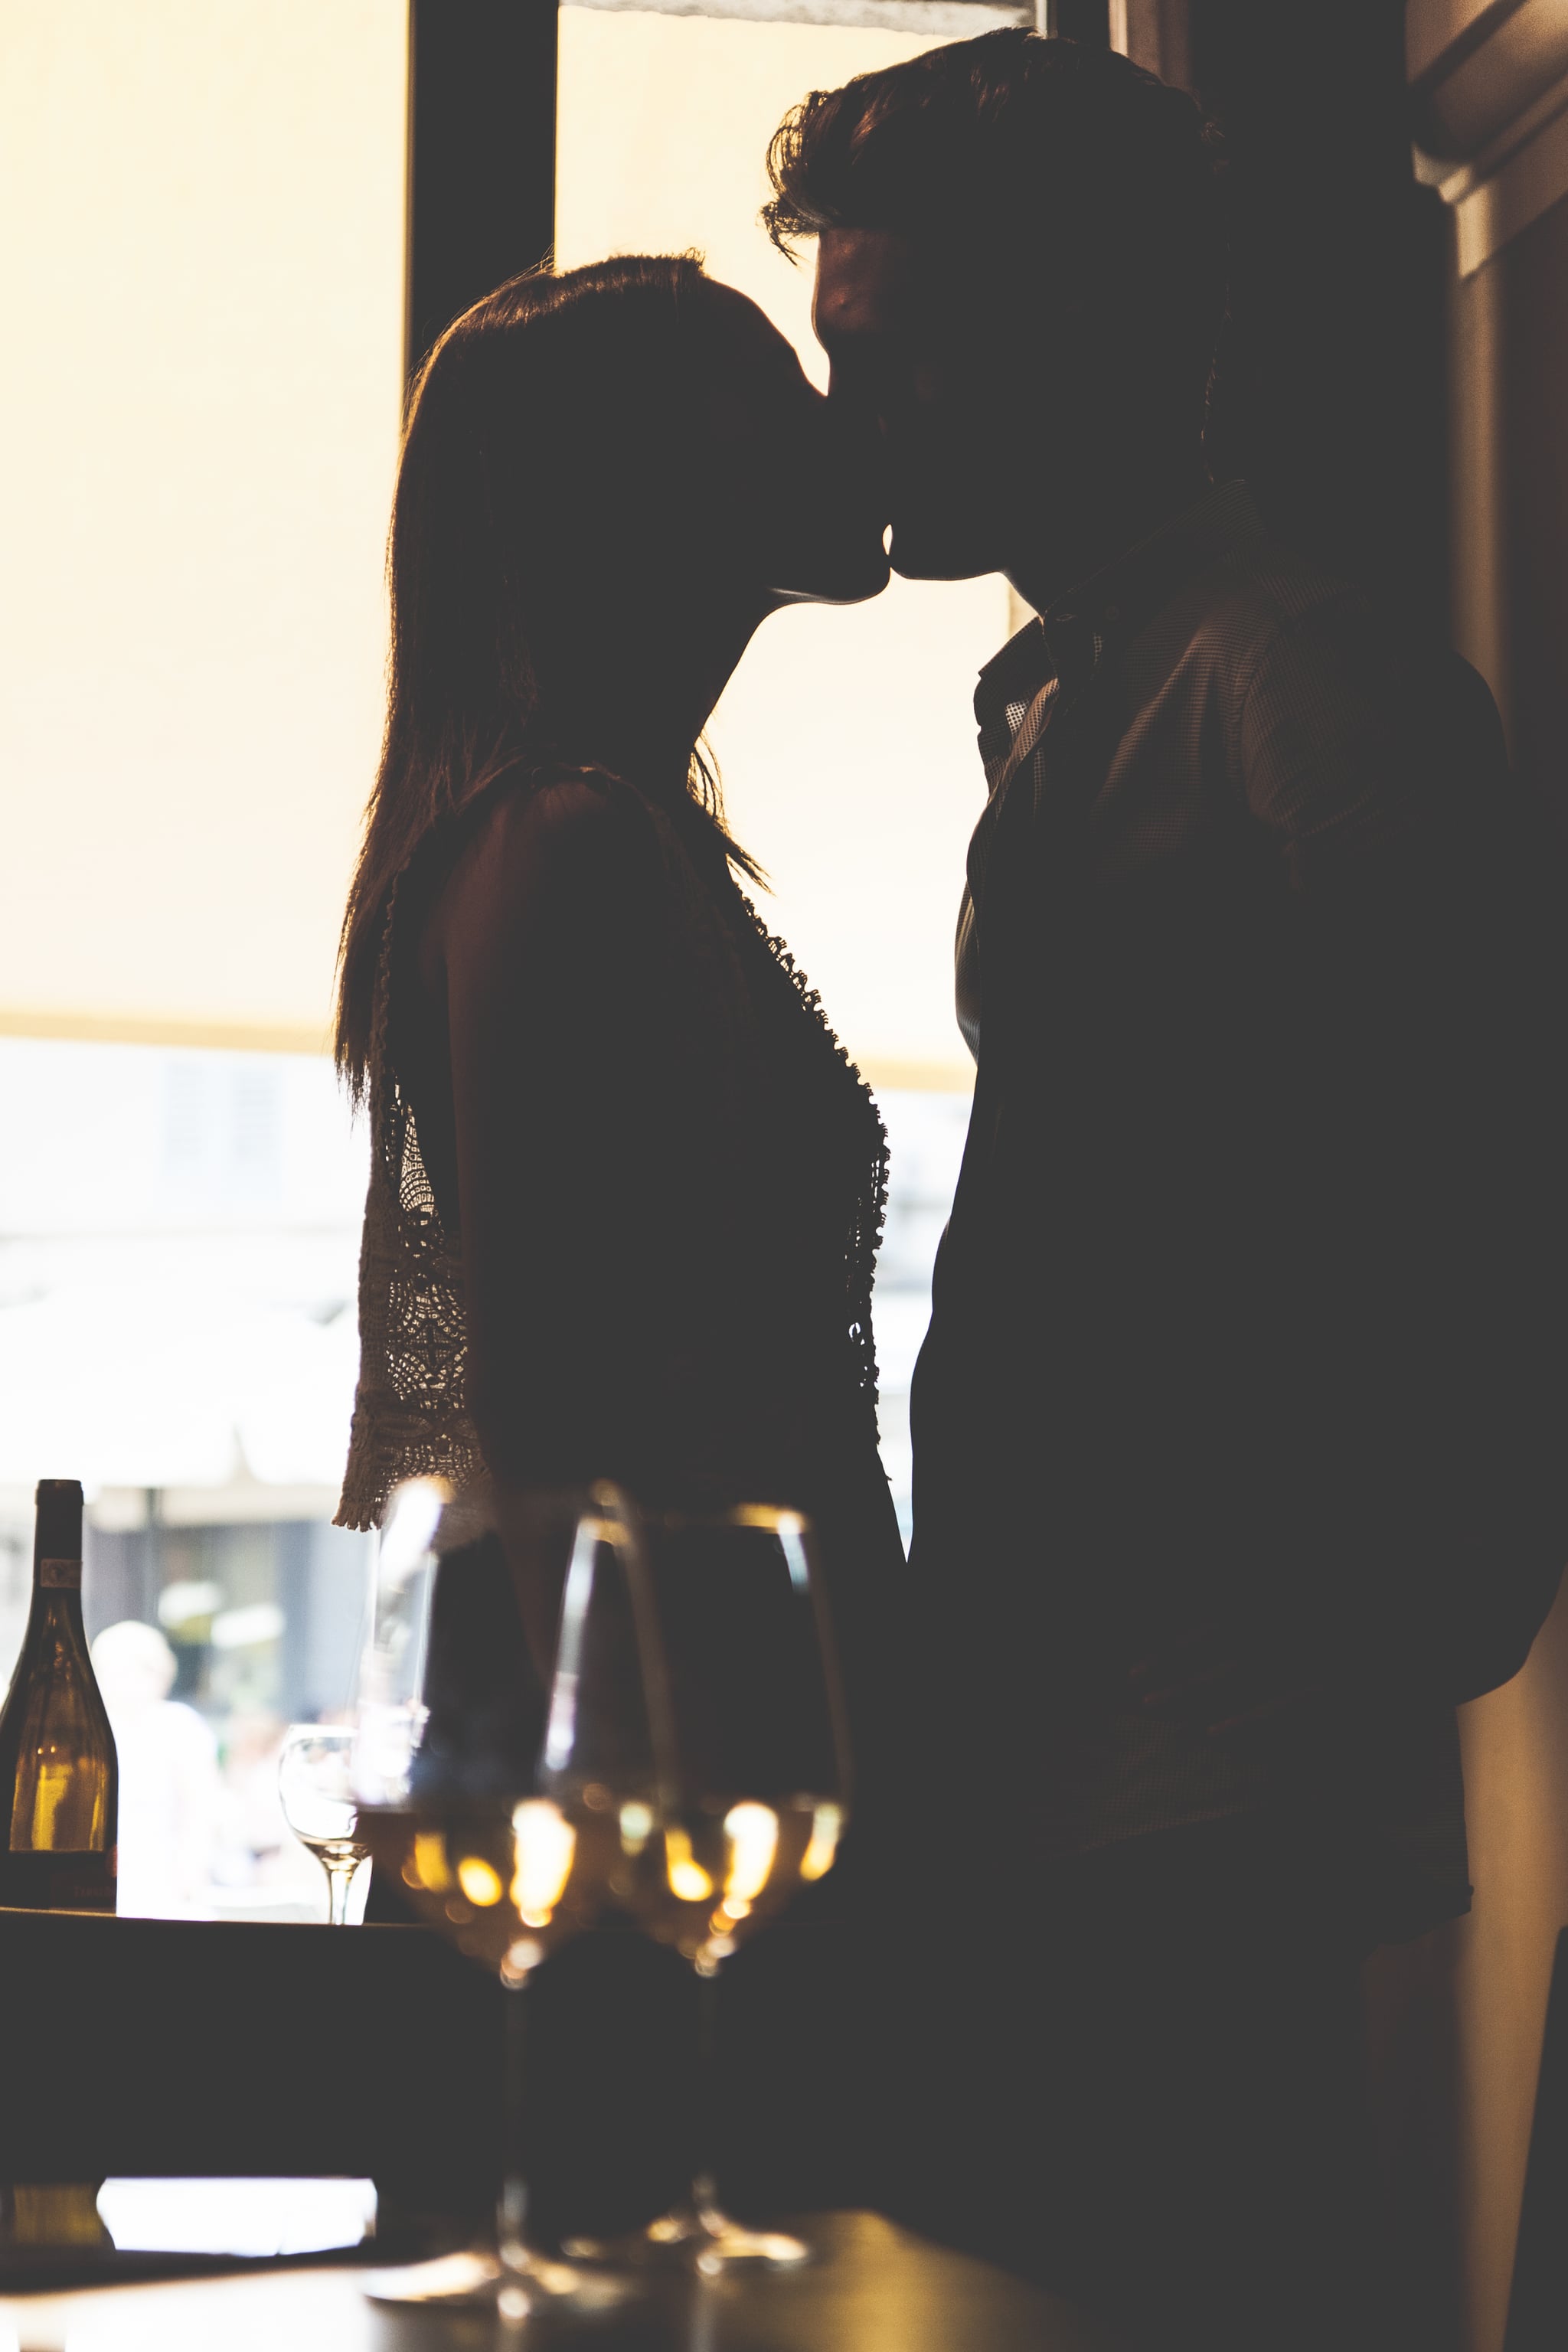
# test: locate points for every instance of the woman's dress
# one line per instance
(712, 1189)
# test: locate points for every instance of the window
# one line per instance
(206, 241)
(846, 741)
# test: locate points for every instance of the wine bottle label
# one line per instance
(65, 1575)
(57, 1881)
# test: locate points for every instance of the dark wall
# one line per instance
(1330, 394)
(1085, 20)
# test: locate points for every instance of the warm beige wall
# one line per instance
(1509, 347)
(847, 740)
(1510, 519)
(202, 280)
(1516, 1776)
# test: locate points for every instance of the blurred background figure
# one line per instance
(169, 1788)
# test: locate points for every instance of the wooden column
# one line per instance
(482, 153)
(1330, 394)
(1153, 34)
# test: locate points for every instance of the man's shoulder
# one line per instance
(1255, 594)
(1207, 641)
(1266, 625)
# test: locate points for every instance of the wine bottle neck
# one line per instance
(56, 1557)
(57, 1603)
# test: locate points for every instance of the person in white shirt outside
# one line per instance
(168, 1787)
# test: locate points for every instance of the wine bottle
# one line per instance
(59, 1778)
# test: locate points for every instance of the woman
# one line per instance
(626, 1188)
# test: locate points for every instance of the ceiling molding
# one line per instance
(1493, 205)
(1439, 35)
(1489, 75)
(1490, 90)
(942, 19)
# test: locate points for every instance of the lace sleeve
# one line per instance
(412, 1412)
(410, 1416)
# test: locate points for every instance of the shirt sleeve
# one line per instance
(1428, 1137)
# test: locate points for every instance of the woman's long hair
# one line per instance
(552, 447)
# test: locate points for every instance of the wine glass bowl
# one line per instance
(755, 1790)
(315, 1788)
(714, 1878)
(506, 1884)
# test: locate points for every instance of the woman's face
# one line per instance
(800, 505)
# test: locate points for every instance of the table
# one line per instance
(874, 2288)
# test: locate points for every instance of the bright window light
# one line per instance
(203, 273)
(846, 738)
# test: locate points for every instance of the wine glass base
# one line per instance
(477, 2281)
(697, 2237)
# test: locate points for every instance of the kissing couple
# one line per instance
(1236, 1452)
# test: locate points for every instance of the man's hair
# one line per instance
(1063, 171)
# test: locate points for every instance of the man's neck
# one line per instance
(1070, 540)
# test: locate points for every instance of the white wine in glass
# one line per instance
(756, 1788)
(508, 1833)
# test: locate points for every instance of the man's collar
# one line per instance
(1116, 602)
(1125, 596)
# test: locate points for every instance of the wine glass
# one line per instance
(758, 1784)
(316, 1789)
(506, 1804)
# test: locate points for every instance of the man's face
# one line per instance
(907, 351)
(798, 481)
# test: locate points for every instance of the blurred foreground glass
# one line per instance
(505, 1812)
(757, 1790)
(391, 1712)
(315, 1785)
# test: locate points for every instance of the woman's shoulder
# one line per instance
(546, 835)
(551, 813)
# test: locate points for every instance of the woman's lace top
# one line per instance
(410, 1416)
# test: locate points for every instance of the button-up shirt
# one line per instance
(1184, 1267)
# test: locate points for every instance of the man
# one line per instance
(1236, 1452)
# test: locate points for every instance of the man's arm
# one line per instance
(1430, 1139)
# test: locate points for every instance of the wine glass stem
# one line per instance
(704, 2185)
(511, 2220)
(338, 1881)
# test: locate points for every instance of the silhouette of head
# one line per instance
(600, 468)
(580, 444)
(1020, 274)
